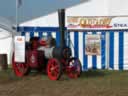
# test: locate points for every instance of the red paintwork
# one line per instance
(73, 70)
(53, 69)
(32, 57)
(35, 59)
(43, 43)
(20, 69)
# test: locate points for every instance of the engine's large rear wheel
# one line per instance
(73, 69)
(54, 69)
(20, 69)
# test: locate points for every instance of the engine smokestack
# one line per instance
(61, 15)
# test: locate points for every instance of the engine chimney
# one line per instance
(61, 15)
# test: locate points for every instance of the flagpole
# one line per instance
(16, 29)
(16, 15)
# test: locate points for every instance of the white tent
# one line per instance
(81, 8)
(6, 38)
(44, 12)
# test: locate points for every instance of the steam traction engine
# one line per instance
(43, 54)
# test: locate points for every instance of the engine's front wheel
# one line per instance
(54, 69)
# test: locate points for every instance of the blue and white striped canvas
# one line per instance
(114, 48)
(118, 57)
(78, 49)
(40, 32)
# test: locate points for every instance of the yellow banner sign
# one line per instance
(98, 22)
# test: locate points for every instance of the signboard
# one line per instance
(19, 42)
(93, 44)
(97, 22)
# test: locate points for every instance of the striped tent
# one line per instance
(114, 46)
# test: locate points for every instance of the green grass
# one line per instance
(91, 83)
(7, 76)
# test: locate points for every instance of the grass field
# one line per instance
(91, 83)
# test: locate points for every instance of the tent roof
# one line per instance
(6, 28)
(32, 9)
(5, 23)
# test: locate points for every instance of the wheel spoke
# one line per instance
(53, 69)
(74, 68)
(20, 69)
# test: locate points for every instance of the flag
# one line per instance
(19, 3)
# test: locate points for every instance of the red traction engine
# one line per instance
(44, 55)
